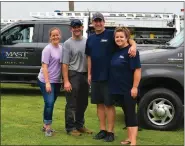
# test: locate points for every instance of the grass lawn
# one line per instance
(21, 122)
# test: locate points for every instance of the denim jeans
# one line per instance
(49, 100)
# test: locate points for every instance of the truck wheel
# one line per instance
(160, 109)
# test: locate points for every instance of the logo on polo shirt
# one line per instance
(121, 56)
(103, 40)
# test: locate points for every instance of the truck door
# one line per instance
(18, 45)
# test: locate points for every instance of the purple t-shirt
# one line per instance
(51, 55)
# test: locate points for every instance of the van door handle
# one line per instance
(30, 49)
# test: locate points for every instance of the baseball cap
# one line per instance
(76, 22)
(98, 15)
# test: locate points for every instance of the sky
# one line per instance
(21, 10)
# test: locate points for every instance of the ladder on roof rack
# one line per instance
(79, 14)
(153, 20)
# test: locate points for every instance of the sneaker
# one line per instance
(48, 133)
(75, 133)
(101, 135)
(109, 137)
(85, 130)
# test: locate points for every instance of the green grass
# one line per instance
(21, 122)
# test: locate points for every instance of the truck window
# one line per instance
(18, 34)
(65, 29)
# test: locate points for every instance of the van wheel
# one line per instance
(160, 109)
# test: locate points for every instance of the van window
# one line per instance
(177, 40)
(18, 34)
(65, 29)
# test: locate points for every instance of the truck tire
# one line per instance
(160, 109)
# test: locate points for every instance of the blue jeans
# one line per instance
(49, 100)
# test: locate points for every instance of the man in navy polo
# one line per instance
(99, 49)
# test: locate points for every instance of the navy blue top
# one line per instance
(100, 48)
(122, 71)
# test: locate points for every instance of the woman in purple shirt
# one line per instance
(49, 78)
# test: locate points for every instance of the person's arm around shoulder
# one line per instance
(88, 54)
(45, 63)
(65, 66)
(132, 50)
(136, 66)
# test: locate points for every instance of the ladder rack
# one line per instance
(153, 20)
(79, 14)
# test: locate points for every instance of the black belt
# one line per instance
(83, 73)
(72, 72)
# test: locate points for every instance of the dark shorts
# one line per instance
(100, 93)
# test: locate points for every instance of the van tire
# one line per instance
(164, 95)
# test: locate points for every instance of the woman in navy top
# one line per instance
(125, 75)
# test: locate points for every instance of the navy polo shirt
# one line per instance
(100, 48)
(122, 71)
